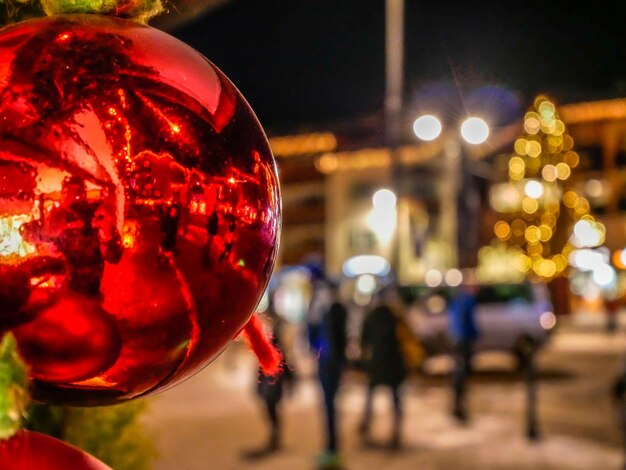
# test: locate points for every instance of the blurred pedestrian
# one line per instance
(383, 359)
(271, 388)
(612, 303)
(327, 336)
(463, 333)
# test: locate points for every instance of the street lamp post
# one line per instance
(473, 131)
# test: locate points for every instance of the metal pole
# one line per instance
(532, 423)
(394, 85)
(394, 69)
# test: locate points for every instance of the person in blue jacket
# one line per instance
(463, 334)
(327, 323)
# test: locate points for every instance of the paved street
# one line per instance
(208, 421)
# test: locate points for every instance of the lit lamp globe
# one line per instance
(427, 127)
(474, 130)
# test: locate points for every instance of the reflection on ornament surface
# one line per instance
(139, 207)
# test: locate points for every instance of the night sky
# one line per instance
(307, 62)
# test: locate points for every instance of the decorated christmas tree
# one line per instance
(542, 218)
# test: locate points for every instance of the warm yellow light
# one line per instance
(548, 125)
(384, 199)
(568, 143)
(552, 206)
(533, 189)
(523, 262)
(475, 130)
(559, 127)
(533, 165)
(327, 163)
(518, 226)
(502, 230)
(571, 158)
(532, 234)
(530, 205)
(547, 268)
(563, 171)
(531, 123)
(427, 127)
(582, 207)
(545, 233)
(546, 109)
(548, 219)
(535, 249)
(549, 173)
(520, 146)
(517, 167)
(594, 188)
(533, 149)
(570, 199)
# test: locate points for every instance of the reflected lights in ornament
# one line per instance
(533, 189)
(433, 278)
(427, 127)
(475, 130)
(366, 284)
(11, 242)
(454, 277)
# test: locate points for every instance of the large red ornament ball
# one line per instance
(28, 450)
(139, 207)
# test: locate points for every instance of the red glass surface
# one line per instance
(28, 450)
(139, 207)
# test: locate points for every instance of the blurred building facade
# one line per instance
(328, 179)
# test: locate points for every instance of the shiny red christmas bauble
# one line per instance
(29, 450)
(139, 207)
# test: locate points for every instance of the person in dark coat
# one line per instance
(327, 324)
(463, 333)
(271, 388)
(383, 360)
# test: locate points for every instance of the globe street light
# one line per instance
(474, 131)
(427, 127)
